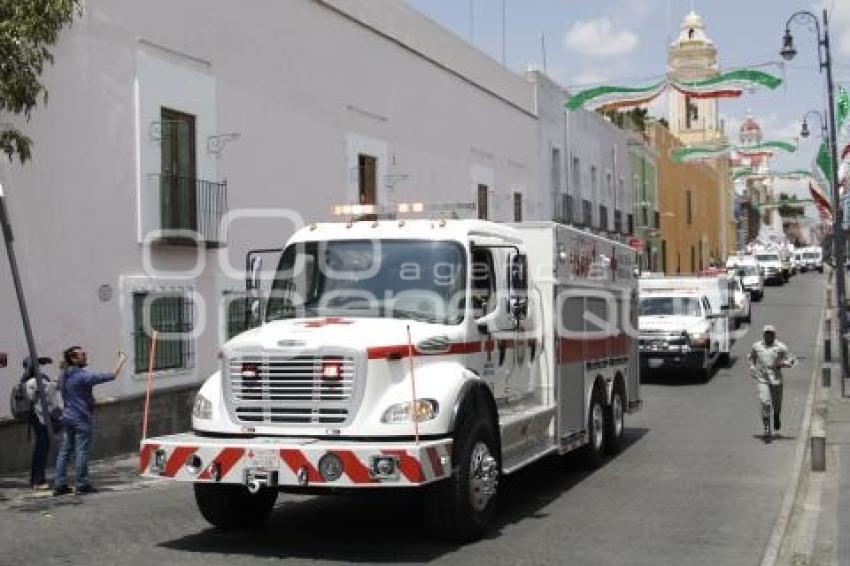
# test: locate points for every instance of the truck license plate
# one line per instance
(655, 362)
(263, 458)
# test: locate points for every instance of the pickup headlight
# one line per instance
(701, 339)
(423, 409)
(202, 409)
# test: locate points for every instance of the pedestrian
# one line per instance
(77, 383)
(38, 423)
(767, 359)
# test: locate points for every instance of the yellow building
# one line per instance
(690, 202)
(697, 225)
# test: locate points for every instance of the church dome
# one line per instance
(750, 131)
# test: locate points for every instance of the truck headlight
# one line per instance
(700, 340)
(202, 409)
(422, 410)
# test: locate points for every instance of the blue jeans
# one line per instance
(77, 435)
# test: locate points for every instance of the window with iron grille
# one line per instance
(657, 219)
(517, 207)
(689, 207)
(586, 213)
(565, 210)
(618, 221)
(171, 315)
(483, 208)
(630, 225)
(603, 217)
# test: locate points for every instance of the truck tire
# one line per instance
(615, 419)
(461, 508)
(594, 451)
(232, 506)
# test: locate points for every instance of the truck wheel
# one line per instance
(615, 420)
(462, 507)
(594, 451)
(232, 506)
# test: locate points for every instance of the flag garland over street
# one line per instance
(692, 153)
(725, 85)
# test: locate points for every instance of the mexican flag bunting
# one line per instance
(727, 85)
(824, 160)
(613, 97)
(766, 148)
(842, 108)
(819, 197)
(698, 153)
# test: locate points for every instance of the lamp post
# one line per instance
(34, 367)
(804, 129)
(788, 52)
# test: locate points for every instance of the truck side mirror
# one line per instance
(518, 284)
(252, 278)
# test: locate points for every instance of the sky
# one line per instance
(625, 42)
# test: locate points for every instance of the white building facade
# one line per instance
(173, 145)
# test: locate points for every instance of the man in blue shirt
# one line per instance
(76, 384)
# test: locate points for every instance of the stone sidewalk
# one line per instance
(116, 474)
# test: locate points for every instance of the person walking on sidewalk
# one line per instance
(38, 423)
(767, 359)
(78, 417)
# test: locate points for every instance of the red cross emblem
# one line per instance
(318, 323)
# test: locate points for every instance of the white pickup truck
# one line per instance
(772, 267)
(684, 324)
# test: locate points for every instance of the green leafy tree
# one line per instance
(28, 28)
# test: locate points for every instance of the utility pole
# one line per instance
(34, 367)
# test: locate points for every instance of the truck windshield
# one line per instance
(413, 279)
(670, 306)
(748, 269)
(811, 255)
(767, 257)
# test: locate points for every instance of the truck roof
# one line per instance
(418, 229)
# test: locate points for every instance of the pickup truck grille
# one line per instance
(291, 389)
(660, 340)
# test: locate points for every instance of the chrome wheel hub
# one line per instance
(617, 410)
(598, 420)
(483, 476)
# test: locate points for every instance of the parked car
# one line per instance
(750, 274)
(740, 306)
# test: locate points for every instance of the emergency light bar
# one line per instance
(400, 208)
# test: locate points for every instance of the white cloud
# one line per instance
(599, 38)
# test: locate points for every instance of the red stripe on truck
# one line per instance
(403, 351)
(177, 459)
(579, 350)
(225, 460)
(353, 467)
(145, 456)
(410, 466)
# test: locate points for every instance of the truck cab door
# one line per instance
(490, 320)
(525, 348)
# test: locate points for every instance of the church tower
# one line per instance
(693, 57)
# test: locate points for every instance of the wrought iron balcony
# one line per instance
(603, 217)
(190, 210)
(565, 213)
(586, 213)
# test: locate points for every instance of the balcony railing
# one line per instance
(190, 210)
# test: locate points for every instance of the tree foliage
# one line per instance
(633, 119)
(28, 28)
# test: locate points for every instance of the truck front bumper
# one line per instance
(660, 360)
(295, 462)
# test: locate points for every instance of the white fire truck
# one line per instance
(438, 354)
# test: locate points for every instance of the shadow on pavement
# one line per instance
(386, 527)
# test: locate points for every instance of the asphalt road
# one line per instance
(695, 485)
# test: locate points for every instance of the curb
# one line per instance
(770, 554)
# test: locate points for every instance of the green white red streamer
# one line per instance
(725, 85)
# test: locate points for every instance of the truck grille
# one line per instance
(291, 389)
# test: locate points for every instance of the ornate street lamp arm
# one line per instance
(803, 17)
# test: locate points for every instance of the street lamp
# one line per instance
(825, 64)
(804, 129)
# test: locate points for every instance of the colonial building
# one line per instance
(694, 121)
(173, 145)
